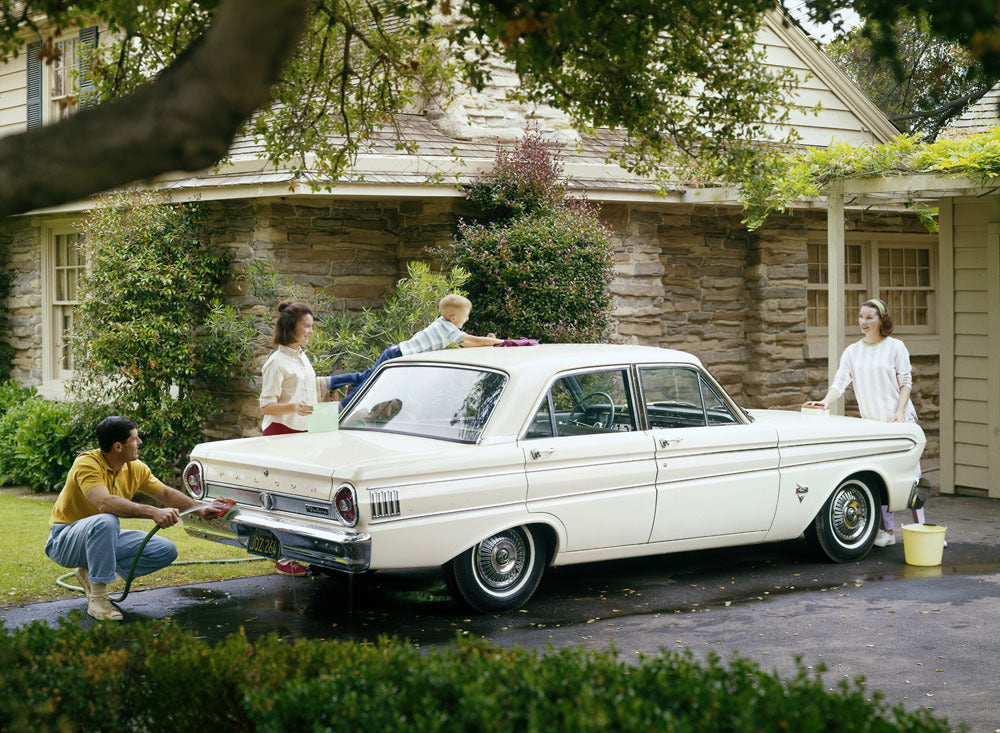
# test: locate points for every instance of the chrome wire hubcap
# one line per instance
(849, 514)
(501, 559)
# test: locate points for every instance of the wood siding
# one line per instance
(13, 96)
(969, 359)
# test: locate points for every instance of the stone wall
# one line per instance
(687, 277)
(24, 304)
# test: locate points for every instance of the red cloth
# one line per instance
(276, 428)
(518, 342)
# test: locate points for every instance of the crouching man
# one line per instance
(85, 532)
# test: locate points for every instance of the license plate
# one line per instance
(264, 543)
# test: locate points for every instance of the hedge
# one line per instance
(152, 675)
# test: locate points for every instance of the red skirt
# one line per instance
(277, 428)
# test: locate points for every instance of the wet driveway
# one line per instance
(926, 637)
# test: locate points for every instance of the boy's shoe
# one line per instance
(884, 539)
(290, 567)
(83, 579)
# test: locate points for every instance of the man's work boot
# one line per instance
(83, 580)
(100, 606)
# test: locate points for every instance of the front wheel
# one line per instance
(501, 572)
(844, 529)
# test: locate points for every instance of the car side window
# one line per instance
(586, 404)
(673, 397)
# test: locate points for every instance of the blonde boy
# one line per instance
(444, 330)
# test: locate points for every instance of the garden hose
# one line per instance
(222, 507)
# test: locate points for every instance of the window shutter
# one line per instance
(34, 64)
(87, 41)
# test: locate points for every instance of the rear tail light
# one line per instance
(346, 505)
(194, 480)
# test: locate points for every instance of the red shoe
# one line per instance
(290, 567)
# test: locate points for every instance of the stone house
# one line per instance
(752, 305)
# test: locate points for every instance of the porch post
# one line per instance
(835, 282)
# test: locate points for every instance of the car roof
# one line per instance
(531, 368)
(553, 358)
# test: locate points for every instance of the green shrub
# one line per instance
(12, 393)
(154, 676)
(543, 268)
(153, 342)
(40, 439)
(352, 342)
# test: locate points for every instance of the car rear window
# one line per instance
(447, 402)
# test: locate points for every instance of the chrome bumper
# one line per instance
(312, 544)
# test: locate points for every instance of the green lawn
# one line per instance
(27, 575)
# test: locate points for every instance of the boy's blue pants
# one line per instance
(356, 379)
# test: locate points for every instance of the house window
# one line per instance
(63, 95)
(63, 268)
(58, 77)
(900, 271)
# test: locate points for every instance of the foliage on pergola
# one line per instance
(808, 174)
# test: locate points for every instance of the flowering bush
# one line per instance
(543, 267)
(524, 179)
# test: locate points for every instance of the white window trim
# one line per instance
(50, 102)
(54, 379)
(920, 341)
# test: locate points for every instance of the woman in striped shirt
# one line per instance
(879, 367)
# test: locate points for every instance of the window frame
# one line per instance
(871, 244)
(53, 375)
(64, 105)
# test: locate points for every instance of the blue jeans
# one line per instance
(356, 379)
(99, 544)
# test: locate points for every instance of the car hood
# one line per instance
(794, 427)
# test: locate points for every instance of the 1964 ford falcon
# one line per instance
(494, 463)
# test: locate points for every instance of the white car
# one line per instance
(494, 463)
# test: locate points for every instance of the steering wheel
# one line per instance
(581, 407)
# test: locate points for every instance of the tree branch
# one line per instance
(185, 120)
(950, 106)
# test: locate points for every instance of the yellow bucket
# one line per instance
(923, 544)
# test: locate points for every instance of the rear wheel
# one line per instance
(844, 529)
(501, 572)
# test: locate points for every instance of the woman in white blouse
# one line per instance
(879, 367)
(290, 386)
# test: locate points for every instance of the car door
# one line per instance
(716, 474)
(588, 464)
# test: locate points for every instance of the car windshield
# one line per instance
(447, 402)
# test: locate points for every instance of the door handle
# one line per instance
(537, 453)
(667, 442)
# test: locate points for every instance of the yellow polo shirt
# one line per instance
(91, 470)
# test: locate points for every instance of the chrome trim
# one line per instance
(315, 544)
(272, 501)
(384, 503)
